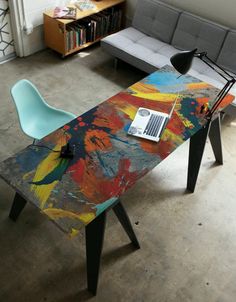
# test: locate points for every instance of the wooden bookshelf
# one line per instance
(58, 34)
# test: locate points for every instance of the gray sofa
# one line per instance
(159, 31)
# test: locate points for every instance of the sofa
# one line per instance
(159, 31)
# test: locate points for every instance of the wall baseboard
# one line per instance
(34, 42)
(7, 58)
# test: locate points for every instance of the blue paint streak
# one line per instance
(103, 206)
(29, 158)
(56, 174)
(166, 81)
(126, 127)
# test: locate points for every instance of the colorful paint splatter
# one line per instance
(107, 160)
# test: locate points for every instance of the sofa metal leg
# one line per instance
(116, 63)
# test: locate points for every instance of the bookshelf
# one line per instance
(69, 36)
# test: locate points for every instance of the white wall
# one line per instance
(27, 15)
(34, 9)
(221, 11)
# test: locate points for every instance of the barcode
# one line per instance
(154, 125)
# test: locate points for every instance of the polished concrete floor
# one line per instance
(188, 241)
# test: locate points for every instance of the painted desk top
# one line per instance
(107, 161)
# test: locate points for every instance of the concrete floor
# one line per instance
(188, 241)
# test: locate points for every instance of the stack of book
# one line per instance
(93, 28)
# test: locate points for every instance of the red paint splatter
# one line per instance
(96, 186)
(123, 99)
(106, 116)
(97, 140)
(176, 125)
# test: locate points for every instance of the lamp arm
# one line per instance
(221, 95)
(223, 73)
(226, 75)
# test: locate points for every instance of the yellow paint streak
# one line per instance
(129, 110)
(144, 87)
(55, 214)
(158, 97)
(73, 233)
(43, 192)
(87, 217)
(27, 175)
(169, 135)
(201, 85)
(187, 123)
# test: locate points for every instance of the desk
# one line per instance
(77, 193)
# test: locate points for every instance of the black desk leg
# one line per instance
(196, 149)
(17, 206)
(94, 243)
(215, 139)
(125, 222)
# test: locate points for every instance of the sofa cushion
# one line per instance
(138, 49)
(156, 19)
(194, 32)
(227, 57)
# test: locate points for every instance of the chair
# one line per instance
(37, 118)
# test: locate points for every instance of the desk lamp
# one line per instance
(182, 63)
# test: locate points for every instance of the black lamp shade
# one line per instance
(182, 61)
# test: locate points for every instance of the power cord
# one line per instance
(66, 151)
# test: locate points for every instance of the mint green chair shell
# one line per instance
(37, 118)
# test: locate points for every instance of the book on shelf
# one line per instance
(84, 5)
(92, 28)
(65, 12)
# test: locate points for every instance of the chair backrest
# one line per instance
(29, 103)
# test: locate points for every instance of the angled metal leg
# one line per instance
(196, 149)
(94, 243)
(125, 222)
(17, 206)
(215, 139)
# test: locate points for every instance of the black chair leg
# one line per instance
(94, 242)
(125, 222)
(17, 206)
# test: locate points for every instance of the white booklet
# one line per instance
(84, 5)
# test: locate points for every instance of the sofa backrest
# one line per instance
(227, 56)
(195, 32)
(156, 19)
